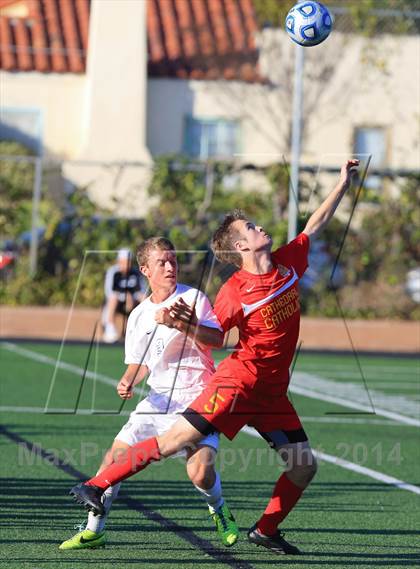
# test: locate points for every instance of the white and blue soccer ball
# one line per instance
(308, 23)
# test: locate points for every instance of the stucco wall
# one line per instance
(361, 95)
(59, 97)
(341, 93)
(115, 104)
(337, 99)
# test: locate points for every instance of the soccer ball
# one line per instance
(308, 23)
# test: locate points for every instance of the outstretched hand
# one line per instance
(163, 316)
(182, 312)
(325, 211)
(177, 315)
(348, 171)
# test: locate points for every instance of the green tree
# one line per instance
(192, 199)
(271, 12)
(76, 251)
(16, 190)
(376, 258)
(392, 239)
(364, 14)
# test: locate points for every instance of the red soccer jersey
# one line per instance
(266, 310)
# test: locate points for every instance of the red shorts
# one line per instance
(227, 408)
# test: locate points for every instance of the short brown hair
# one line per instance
(145, 248)
(224, 238)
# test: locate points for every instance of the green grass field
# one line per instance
(346, 519)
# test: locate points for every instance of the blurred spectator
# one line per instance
(412, 284)
(124, 289)
(8, 256)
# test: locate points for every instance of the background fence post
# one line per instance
(36, 198)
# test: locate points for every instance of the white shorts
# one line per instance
(155, 415)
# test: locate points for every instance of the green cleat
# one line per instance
(226, 525)
(85, 539)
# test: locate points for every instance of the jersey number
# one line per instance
(214, 404)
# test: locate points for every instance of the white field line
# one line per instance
(337, 420)
(348, 421)
(378, 382)
(355, 396)
(16, 409)
(324, 385)
(367, 368)
(321, 455)
(403, 386)
(76, 370)
(61, 365)
(336, 461)
(370, 375)
(369, 378)
(353, 405)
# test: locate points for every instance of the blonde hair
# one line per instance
(145, 248)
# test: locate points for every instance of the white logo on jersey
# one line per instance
(284, 271)
(249, 289)
(248, 308)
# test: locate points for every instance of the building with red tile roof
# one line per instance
(44, 35)
(106, 83)
(200, 39)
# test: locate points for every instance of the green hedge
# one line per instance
(376, 256)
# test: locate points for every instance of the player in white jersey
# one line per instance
(177, 357)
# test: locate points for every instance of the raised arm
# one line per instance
(324, 213)
(183, 317)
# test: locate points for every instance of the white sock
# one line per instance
(97, 523)
(213, 496)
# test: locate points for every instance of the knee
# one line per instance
(108, 459)
(311, 469)
(302, 474)
(201, 475)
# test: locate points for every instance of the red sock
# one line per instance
(284, 497)
(136, 458)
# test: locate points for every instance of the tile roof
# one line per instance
(202, 39)
(52, 37)
(197, 39)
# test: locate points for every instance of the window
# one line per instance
(205, 138)
(22, 125)
(371, 140)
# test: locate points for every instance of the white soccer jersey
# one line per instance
(175, 361)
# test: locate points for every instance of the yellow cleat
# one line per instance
(225, 525)
(85, 539)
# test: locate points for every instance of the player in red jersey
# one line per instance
(249, 387)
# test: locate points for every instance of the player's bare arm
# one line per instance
(132, 376)
(183, 317)
(324, 213)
